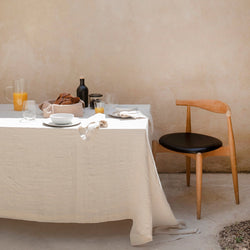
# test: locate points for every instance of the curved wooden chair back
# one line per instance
(210, 105)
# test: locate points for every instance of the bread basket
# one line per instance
(48, 108)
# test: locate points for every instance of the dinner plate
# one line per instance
(49, 123)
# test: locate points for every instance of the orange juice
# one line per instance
(18, 99)
(99, 110)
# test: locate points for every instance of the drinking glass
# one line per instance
(29, 110)
(99, 106)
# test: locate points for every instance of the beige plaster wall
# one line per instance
(141, 51)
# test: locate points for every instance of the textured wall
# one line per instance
(141, 51)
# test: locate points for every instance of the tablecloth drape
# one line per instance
(51, 175)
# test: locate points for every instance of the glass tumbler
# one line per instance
(29, 110)
(99, 106)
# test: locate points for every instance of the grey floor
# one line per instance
(218, 210)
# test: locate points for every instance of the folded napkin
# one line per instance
(94, 122)
(128, 113)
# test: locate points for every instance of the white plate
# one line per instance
(49, 123)
(117, 115)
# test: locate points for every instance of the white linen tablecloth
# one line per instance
(52, 175)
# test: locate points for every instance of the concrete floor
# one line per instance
(218, 210)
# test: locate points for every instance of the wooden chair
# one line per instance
(199, 146)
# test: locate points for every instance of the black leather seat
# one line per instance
(190, 142)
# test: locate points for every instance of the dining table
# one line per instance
(50, 174)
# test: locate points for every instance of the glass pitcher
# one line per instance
(19, 95)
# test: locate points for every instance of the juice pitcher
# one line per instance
(19, 95)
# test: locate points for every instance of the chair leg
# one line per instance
(198, 184)
(235, 177)
(188, 167)
(233, 158)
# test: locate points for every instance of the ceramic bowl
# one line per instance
(61, 118)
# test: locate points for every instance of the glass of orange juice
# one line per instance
(99, 106)
(19, 94)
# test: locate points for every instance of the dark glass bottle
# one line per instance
(82, 92)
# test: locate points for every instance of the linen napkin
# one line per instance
(94, 122)
(175, 232)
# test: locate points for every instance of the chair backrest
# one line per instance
(211, 105)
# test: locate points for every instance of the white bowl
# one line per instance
(61, 118)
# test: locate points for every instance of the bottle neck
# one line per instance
(81, 81)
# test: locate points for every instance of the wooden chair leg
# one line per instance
(233, 158)
(235, 177)
(198, 184)
(188, 167)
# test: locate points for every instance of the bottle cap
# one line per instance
(81, 77)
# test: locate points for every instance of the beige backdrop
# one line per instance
(140, 51)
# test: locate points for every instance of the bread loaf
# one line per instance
(66, 99)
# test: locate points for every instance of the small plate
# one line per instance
(118, 109)
(49, 123)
